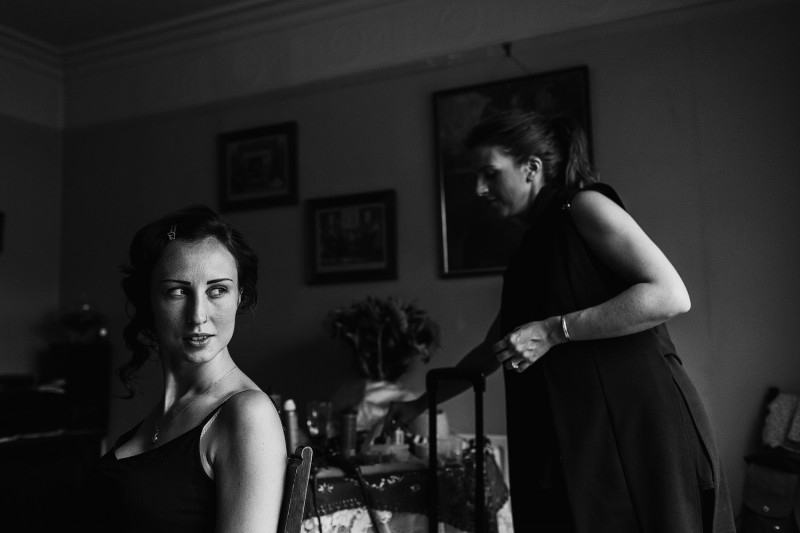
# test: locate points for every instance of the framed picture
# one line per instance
(473, 240)
(258, 167)
(352, 238)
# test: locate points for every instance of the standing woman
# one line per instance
(605, 430)
(211, 454)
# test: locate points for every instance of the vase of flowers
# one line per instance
(383, 336)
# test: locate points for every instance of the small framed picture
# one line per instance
(258, 167)
(352, 238)
(474, 240)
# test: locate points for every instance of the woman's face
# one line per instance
(195, 296)
(505, 184)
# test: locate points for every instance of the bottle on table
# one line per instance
(291, 425)
(348, 433)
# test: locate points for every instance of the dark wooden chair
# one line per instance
(294, 490)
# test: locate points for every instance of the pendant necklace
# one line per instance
(154, 438)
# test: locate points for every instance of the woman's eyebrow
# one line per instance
(182, 282)
(170, 280)
(209, 282)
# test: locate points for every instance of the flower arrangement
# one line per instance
(384, 335)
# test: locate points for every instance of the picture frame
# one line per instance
(474, 241)
(352, 238)
(258, 167)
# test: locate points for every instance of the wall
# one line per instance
(31, 92)
(30, 196)
(695, 122)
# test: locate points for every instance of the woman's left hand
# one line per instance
(525, 345)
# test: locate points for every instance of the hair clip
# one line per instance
(171, 233)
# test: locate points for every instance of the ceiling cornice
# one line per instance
(233, 22)
(256, 48)
(32, 87)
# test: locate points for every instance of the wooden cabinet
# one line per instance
(51, 440)
(44, 479)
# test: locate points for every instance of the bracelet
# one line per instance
(564, 328)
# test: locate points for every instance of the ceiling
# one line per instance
(65, 24)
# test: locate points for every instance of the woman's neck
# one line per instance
(184, 381)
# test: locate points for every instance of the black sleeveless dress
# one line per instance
(611, 432)
(163, 489)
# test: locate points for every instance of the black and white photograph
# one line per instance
(352, 237)
(399, 266)
(258, 167)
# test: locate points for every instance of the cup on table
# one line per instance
(318, 421)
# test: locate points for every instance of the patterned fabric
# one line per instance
(358, 521)
(407, 492)
(348, 520)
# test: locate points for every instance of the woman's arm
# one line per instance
(482, 357)
(249, 464)
(655, 291)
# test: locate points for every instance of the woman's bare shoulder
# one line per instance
(595, 212)
(591, 199)
(248, 403)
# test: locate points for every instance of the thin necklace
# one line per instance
(154, 438)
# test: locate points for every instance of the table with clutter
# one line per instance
(368, 481)
(390, 491)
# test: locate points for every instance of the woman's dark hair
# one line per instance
(559, 142)
(191, 224)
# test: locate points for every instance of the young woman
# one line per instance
(211, 454)
(606, 432)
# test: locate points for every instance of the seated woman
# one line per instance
(211, 455)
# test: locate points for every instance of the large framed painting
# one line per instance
(258, 167)
(473, 240)
(352, 237)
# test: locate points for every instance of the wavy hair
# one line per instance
(190, 224)
(559, 142)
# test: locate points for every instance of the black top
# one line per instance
(616, 422)
(163, 489)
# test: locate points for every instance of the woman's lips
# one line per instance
(197, 339)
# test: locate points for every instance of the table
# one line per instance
(398, 493)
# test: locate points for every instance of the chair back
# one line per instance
(294, 490)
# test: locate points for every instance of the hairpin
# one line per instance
(171, 233)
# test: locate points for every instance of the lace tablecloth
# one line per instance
(398, 498)
(358, 521)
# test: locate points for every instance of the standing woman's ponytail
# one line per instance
(559, 142)
(574, 145)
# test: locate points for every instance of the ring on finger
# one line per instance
(515, 365)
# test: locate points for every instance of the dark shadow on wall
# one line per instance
(315, 370)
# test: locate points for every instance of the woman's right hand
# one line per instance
(528, 343)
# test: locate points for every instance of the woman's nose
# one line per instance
(198, 314)
(481, 189)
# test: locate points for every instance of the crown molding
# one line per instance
(32, 88)
(257, 47)
(236, 21)
(289, 44)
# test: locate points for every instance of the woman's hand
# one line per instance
(528, 343)
(400, 414)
